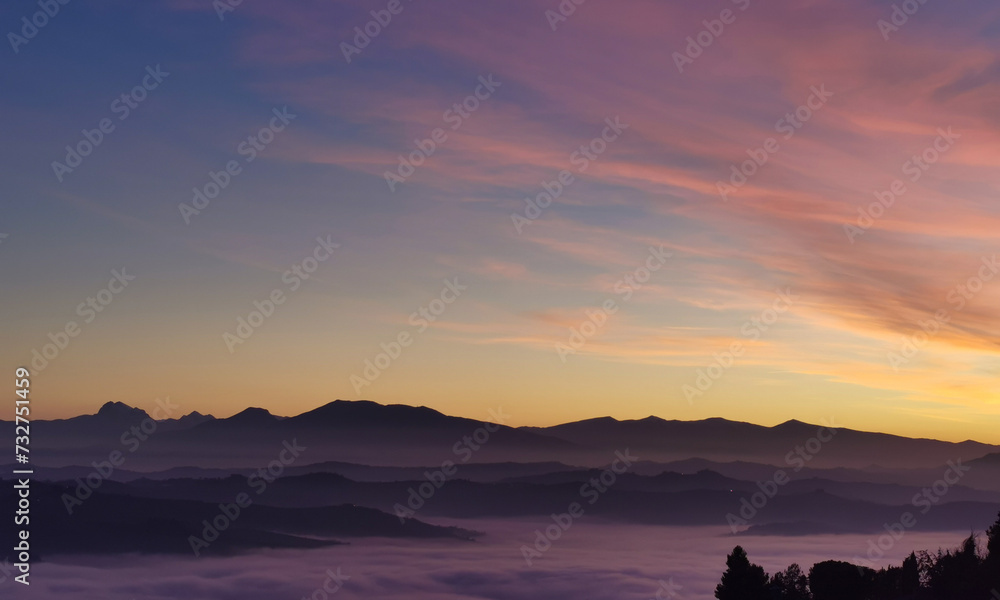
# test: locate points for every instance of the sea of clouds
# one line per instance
(590, 561)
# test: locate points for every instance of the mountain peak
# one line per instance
(120, 410)
(194, 418)
(366, 411)
(253, 414)
(792, 423)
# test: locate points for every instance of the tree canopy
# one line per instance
(962, 573)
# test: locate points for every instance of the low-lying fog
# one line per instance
(591, 560)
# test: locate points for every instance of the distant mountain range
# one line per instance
(344, 470)
(132, 523)
(658, 439)
(399, 436)
(704, 498)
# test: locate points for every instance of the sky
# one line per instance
(757, 211)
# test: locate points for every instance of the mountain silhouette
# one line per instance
(397, 435)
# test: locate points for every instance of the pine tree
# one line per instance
(911, 575)
(993, 541)
(742, 580)
(955, 573)
(790, 584)
(991, 566)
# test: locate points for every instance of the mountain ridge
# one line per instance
(402, 435)
(119, 409)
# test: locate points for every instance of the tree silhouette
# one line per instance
(963, 573)
(991, 566)
(836, 580)
(790, 584)
(896, 583)
(742, 580)
(993, 539)
(956, 575)
(910, 576)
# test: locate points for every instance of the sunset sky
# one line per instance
(858, 296)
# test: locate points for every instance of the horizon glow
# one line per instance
(805, 206)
